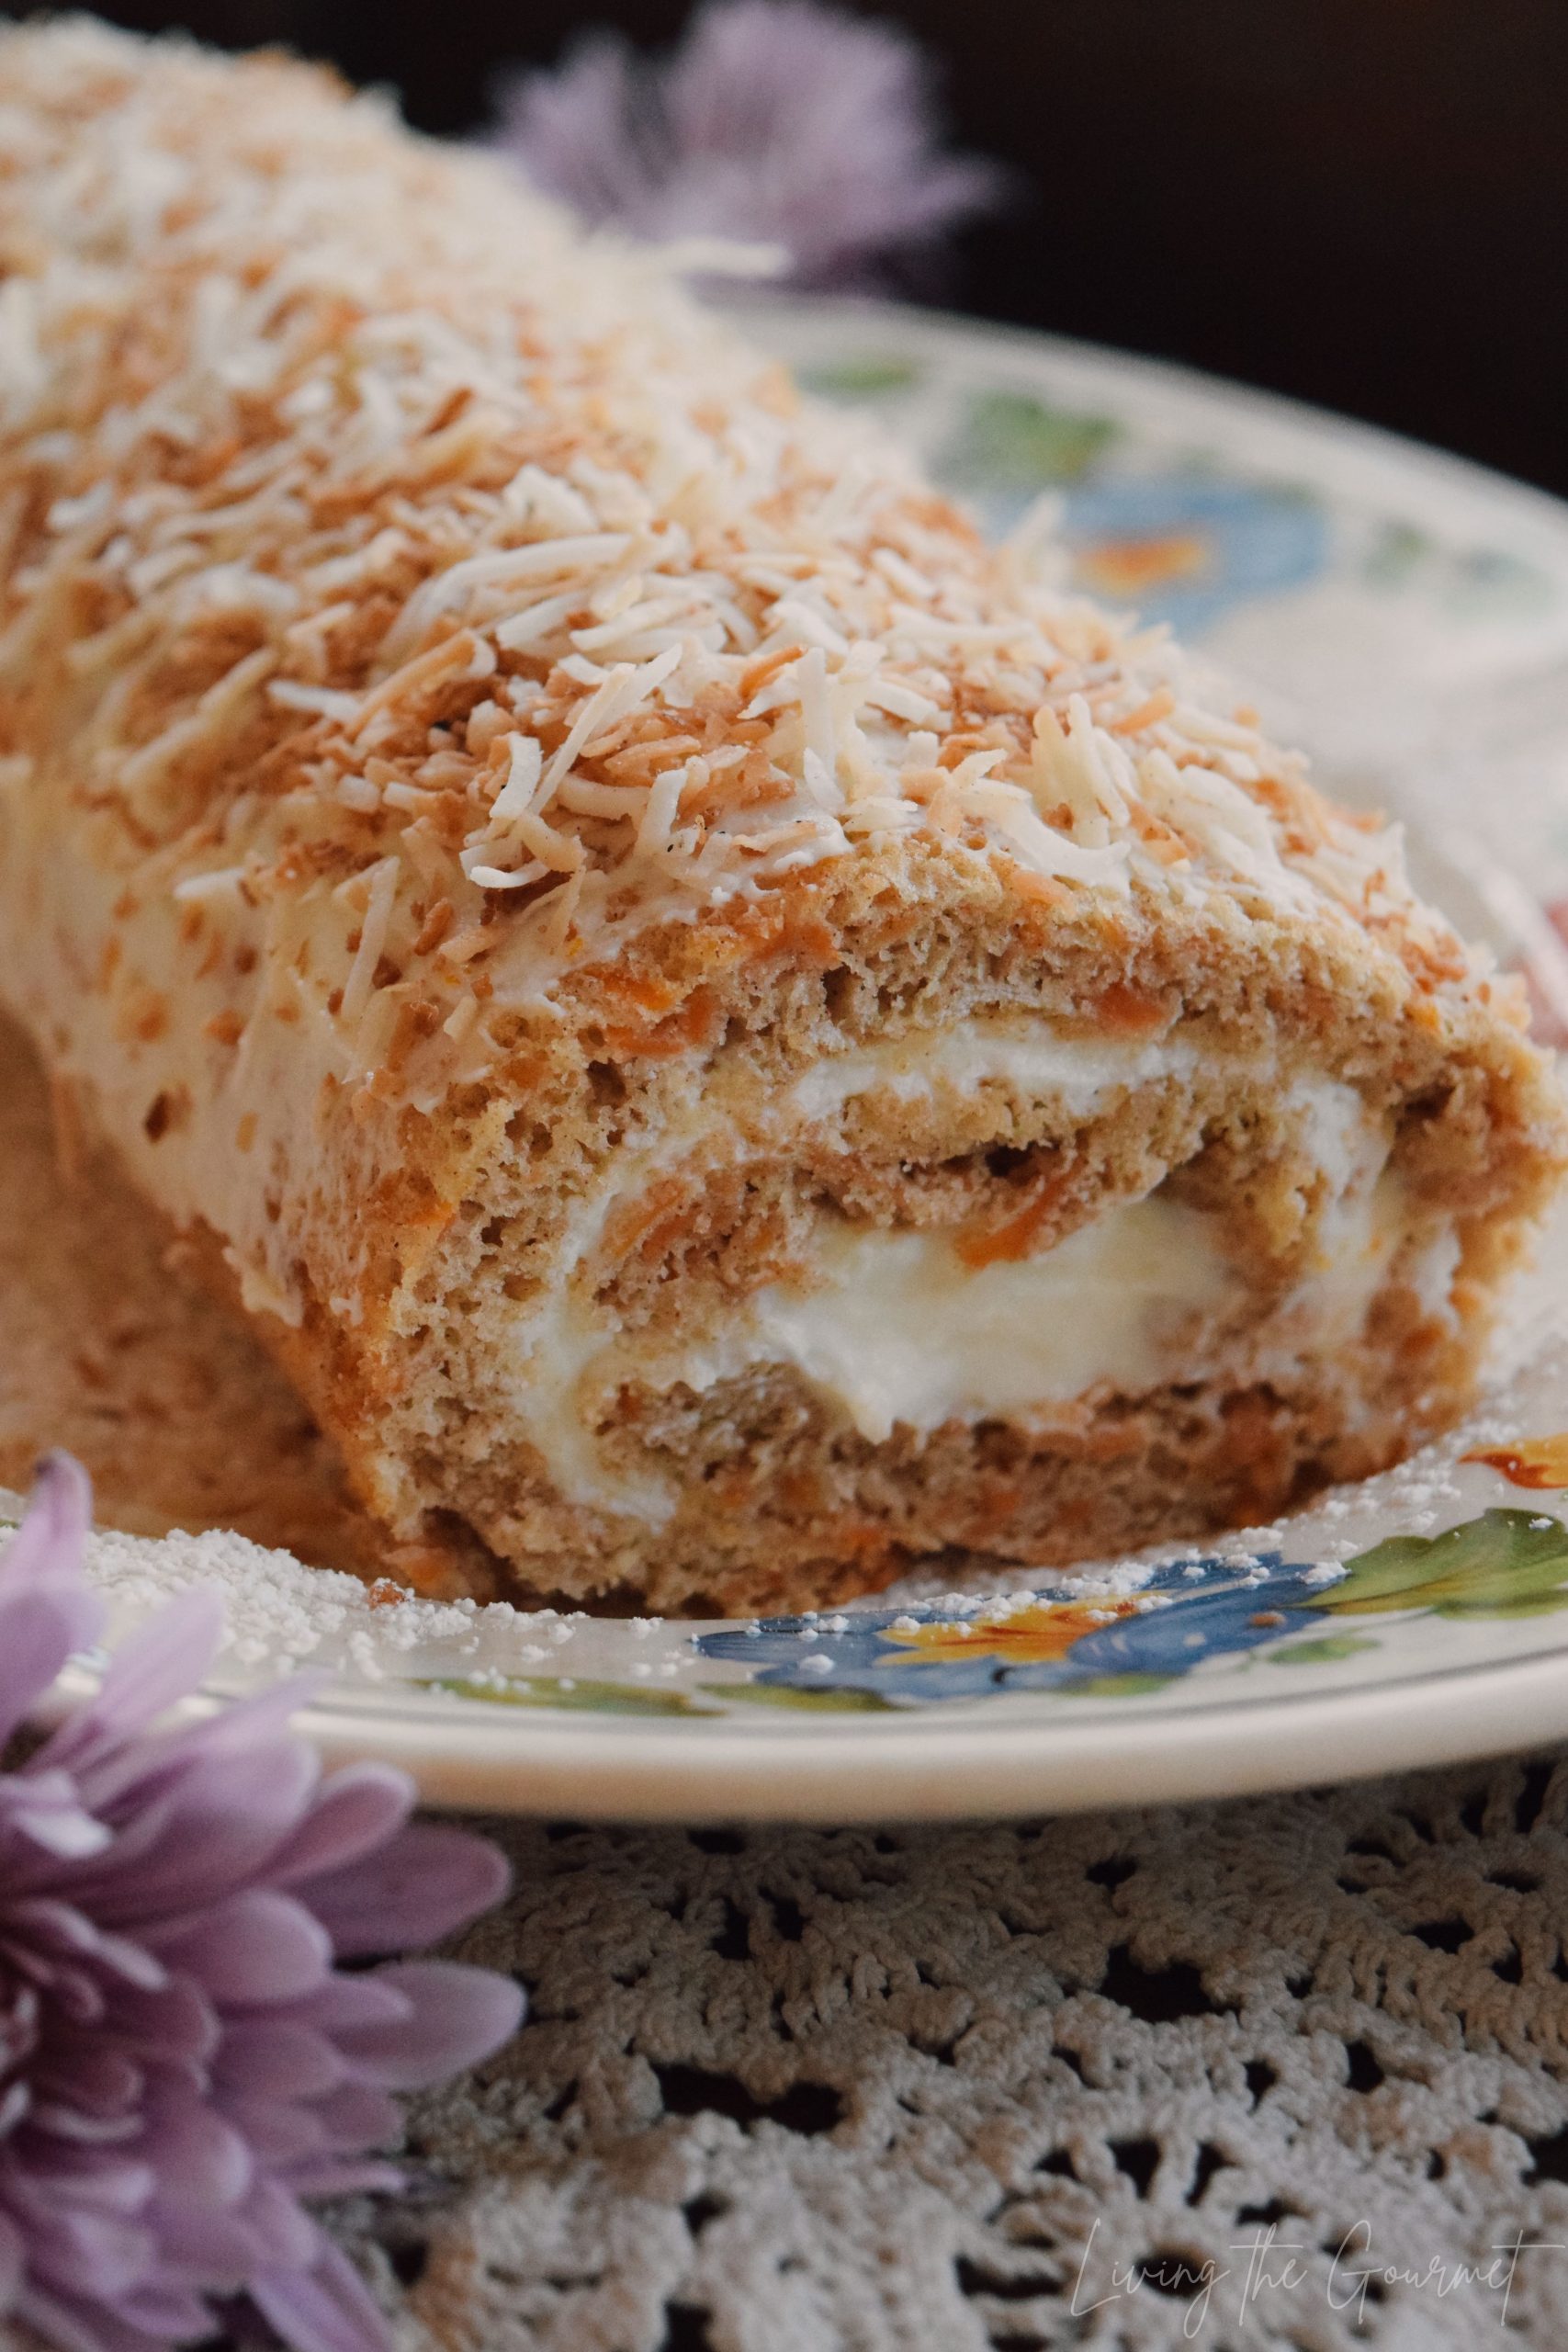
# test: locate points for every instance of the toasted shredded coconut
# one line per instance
(372, 938)
(385, 523)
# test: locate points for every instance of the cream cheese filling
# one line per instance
(897, 1329)
(1030, 1057)
(893, 1329)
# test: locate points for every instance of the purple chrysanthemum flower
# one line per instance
(775, 121)
(181, 2062)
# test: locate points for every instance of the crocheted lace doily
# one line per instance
(1285, 2073)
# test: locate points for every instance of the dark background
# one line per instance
(1362, 202)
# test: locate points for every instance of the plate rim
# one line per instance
(891, 1769)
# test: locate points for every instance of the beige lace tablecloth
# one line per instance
(1137, 2079)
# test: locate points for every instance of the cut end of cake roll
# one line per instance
(958, 1221)
(728, 1038)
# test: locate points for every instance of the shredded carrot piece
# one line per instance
(1159, 706)
(1125, 1013)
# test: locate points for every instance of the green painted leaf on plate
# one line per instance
(1326, 1651)
(812, 1702)
(1504, 1564)
(1116, 1686)
(1492, 582)
(1394, 553)
(866, 376)
(1011, 441)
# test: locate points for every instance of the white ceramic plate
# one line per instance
(1406, 617)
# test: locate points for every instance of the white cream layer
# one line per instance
(894, 1329)
(1028, 1056)
(901, 1285)
(899, 1330)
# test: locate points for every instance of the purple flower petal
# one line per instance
(205, 1835)
(162, 2314)
(180, 2060)
(278, 2059)
(354, 2117)
(427, 1880)
(58, 1932)
(69, 2323)
(163, 1661)
(348, 2118)
(173, 2023)
(214, 2244)
(359, 1809)
(200, 2156)
(11, 2262)
(85, 2176)
(323, 2310)
(100, 2253)
(45, 1807)
(269, 2231)
(457, 2016)
(90, 2074)
(46, 1550)
(138, 1771)
(61, 2120)
(346, 2176)
(257, 1947)
(37, 1632)
(345, 2001)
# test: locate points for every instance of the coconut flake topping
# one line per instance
(401, 546)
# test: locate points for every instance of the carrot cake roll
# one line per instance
(726, 1038)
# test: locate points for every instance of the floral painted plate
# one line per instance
(1406, 617)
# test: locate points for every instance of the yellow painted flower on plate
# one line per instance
(1533, 1462)
(1032, 1636)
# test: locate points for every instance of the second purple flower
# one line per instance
(775, 121)
(183, 2063)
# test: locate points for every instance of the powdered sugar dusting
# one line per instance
(385, 1643)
